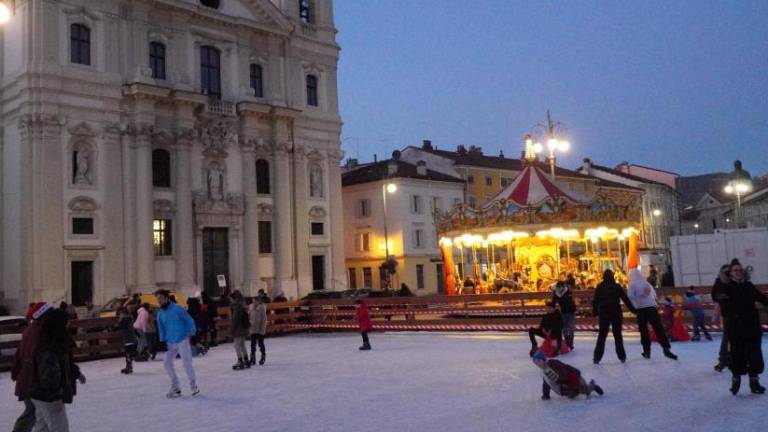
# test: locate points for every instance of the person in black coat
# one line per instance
(745, 334)
(563, 296)
(720, 296)
(606, 306)
(551, 326)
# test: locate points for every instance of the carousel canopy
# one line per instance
(533, 187)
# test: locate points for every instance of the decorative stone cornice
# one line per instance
(315, 156)
(163, 137)
(145, 91)
(82, 129)
(28, 121)
(113, 130)
(335, 155)
(282, 148)
(185, 137)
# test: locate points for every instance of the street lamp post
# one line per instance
(387, 188)
(554, 142)
(739, 183)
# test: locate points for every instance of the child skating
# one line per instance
(693, 304)
(130, 341)
(563, 379)
(364, 321)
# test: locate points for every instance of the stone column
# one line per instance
(185, 237)
(145, 254)
(129, 211)
(251, 222)
(336, 211)
(303, 264)
(282, 239)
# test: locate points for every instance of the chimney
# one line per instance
(461, 150)
(586, 166)
(501, 154)
(476, 150)
(426, 145)
(351, 164)
(421, 168)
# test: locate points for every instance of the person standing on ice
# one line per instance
(239, 326)
(720, 296)
(606, 306)
(563, 379)
(257, 314)
(745, 334)
(175, 327)
(125, 326)
(693, 304)
(563, 296)
(363, 316)
(643, 297)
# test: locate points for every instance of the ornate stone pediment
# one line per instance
(317, 212)
(83, 203)
(163, 137)
(233, 204)
(264, 211)
(315, 155)
(216, 137)
(259, 146)
(163, 206)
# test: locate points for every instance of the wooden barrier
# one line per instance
(98, 338)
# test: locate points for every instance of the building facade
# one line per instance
(417, 192)
(166, 144)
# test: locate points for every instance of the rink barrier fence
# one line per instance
(97, 338)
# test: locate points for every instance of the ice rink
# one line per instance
(413, 382)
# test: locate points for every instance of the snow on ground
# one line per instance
(412, 382)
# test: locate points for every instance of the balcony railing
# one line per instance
(220, 107)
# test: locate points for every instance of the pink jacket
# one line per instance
(142, 320)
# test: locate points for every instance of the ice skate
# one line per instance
(195, 390)
(708, 336)
(669, 354)
(264, 357)
(719, 367)
(696, 338)
(754, 385)
(174, 392)
(239, 365)
(595, 387)
(128, 370)
(646, 354)
(735, 384)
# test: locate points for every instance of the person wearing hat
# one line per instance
(562, 378)
(551, 326)
(563, 296)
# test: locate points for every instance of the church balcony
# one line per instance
(220, 107)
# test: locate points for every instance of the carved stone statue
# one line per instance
(315, 181)
(82, 169)
(215, 182)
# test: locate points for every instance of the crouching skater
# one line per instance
(563, 379)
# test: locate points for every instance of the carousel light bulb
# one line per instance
(5, 13)
(564, 146)
(552, 144)
(537, 147)
(729, 189)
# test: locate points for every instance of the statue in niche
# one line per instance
(315, 181)
(215, 182)
(82, 175)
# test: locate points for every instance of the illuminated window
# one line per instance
(161, 229)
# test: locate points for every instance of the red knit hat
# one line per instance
(37, 310)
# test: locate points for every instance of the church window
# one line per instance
(311, 90)
(161, 229)
(82, 225)
(80, 44)
(210, 71)
(161, 168)
(307, 11)
(257, 80)
(157, 60)
(262, 177)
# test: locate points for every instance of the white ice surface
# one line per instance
(412, 382)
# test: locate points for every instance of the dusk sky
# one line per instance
(678, 85)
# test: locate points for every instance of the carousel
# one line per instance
(535, 232)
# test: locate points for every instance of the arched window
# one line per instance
(257, 80)
(80, 44)
(213, 4)
(262, 176)
(316, 181)
(311, 90)
(210, 71)
(161, 168)
(157, 60)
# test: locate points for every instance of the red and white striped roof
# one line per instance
(533, 187)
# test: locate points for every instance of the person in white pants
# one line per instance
(175, 327)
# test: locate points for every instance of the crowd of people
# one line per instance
(46, 376)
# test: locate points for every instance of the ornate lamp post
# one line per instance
(385, 189)
(739, 184)
(553, 140)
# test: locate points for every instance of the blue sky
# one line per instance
(679, 85)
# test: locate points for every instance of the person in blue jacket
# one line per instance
(175, 326)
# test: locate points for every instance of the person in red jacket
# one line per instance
(564, 379)
(364, 321)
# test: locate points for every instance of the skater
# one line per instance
(551, 326)
(564, 379)
(668, 315)
(653, 276)
(195, 310)
(23, 369)
(364, 321)
(563, 296)
(720, 296)
(130, 342)
(257, 312)
(643, 297)
(141, 325)
(55, 375)
(212, 310)
(745, 333)
(606, 306)
(175, 327)
(693, 304)
(239, 326)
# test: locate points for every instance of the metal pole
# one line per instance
(386, 234)
(738, 208)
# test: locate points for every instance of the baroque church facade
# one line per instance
(184, 144)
